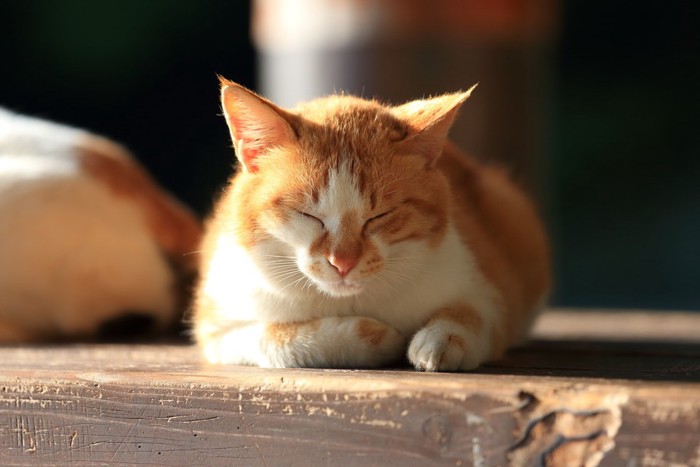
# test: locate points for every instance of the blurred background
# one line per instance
(593, 104)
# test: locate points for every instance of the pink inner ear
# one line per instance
(248, 156)
(255, 127)
(249, 140)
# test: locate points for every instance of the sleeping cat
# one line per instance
(355, 233)
(86, 236)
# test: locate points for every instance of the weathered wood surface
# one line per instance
(590, 401)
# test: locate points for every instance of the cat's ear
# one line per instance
(254, 122)
(429, 121)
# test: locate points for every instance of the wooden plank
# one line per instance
(159, 404)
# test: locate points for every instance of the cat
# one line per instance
(86, 236)
(354, 234)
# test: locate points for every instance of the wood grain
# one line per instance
(596, 400)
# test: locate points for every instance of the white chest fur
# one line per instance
(438, 278)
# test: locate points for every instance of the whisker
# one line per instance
(283, 276)
(387, 288)
(193, 252)
(296, 282)
(277, 267)
(287, 257)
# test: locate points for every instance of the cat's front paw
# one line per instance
(331, 342)
(435, 349)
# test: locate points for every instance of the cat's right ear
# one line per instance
(429, 121)
(255, 123)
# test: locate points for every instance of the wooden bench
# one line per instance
(592, 387)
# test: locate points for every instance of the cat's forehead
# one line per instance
(321, 108)
(349, 114)
(346, 152)
(340, 196)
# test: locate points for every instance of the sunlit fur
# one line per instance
(354, 234)
(86, 235)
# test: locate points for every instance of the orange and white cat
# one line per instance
(354, 234)
(86, 236)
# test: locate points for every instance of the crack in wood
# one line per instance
(551, 456)
(547, 420)
(567, 427)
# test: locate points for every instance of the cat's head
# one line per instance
(340, 192)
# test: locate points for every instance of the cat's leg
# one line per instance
(332, 342)
(453, 339)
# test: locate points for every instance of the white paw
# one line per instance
(437, 349)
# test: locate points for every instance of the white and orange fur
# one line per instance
(86, 235)
(355, 233)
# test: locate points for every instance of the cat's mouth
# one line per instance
(342, 288)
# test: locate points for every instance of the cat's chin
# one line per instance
(340, 288)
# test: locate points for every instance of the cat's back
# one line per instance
(38, 155)
(27, 141)
(502, 228)
(45, 168)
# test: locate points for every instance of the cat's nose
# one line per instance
(342, 263)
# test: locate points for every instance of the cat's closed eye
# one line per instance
(371, 220)
(311, 217)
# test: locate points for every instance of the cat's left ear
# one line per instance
(255, 123)
(429, 121)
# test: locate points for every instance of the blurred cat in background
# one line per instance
(87, 237)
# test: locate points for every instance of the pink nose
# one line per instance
(343, 264)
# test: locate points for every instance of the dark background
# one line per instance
(622, 178)
(140, 72)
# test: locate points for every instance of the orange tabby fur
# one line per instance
(500, 224)
(343, 190)
(172, 225)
